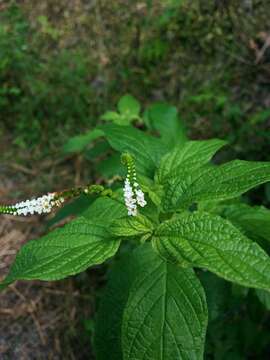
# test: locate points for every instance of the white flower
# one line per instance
(41, 205)
(132, 212)
(133, 197)
(130, 201)
(140, 198)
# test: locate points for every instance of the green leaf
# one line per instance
(63, 252)
(151, 212)
(111, 116)
(147, 150)
(210, 242)
(105, 210)
(175, 329)
(264, 297)
(214, 183)
(110, 311)
(154, 190)
(74, 208)
(98, 149)
(129, 110)
(79, 143)
(164, 119)
(166, 314)
(131, 226)
(111, 167)
(254, 221)
(129, 107)
(217, 207)
(192, 154)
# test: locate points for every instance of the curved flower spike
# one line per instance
(41, 205)
(46, 203)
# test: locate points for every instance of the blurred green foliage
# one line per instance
(41, 97)
(62, 67)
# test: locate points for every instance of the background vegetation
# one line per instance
(63, 64)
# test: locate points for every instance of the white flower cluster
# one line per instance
(139, 196)
(133, 197)
(41, 205)
(130, 201)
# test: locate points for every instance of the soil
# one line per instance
(39, 320)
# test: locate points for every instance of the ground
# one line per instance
(38, 320)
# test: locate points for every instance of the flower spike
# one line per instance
(46, 203)
(41, 205)
(133, 195)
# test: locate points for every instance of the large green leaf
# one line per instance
(147, 150)
(192, 154)
(63, 252)
(210, 242)
(214, 183)
(164, 119)
(166, 314)
(176, 331)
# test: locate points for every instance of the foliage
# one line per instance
(195, 233)
(202, 56)
(41, 96)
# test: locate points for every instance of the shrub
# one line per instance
(187, 235)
